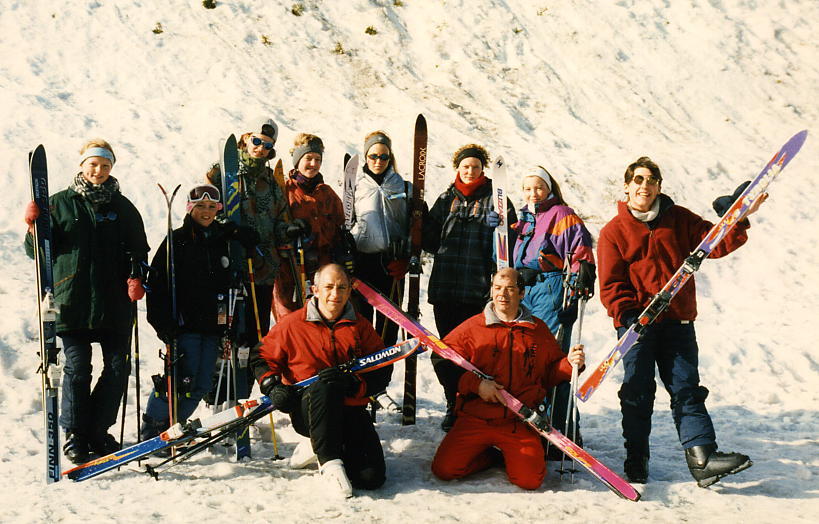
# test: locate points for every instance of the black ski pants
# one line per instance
(341, 432)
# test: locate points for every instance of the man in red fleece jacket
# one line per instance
(507, 342)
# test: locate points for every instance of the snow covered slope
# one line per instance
(708, 89)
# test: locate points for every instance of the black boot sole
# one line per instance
(704, 483)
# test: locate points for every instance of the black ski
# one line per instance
(49, 371)
(419, 173)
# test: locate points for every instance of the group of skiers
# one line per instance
(514, 324)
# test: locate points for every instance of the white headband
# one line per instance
(542, 174)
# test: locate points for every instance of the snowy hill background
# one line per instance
(708, 89)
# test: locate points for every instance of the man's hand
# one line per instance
(490, 391)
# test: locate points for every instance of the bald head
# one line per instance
(332, 290)
(510, 274)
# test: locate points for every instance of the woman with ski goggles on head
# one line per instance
(264, 209)
(638, 251)
(202, 277)
(99, 249)
(381, 226)
(459, 231)
(316, 231)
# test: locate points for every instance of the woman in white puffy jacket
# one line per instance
(381, 226)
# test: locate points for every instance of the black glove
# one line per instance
(629, 317)
(337, 375)
(529, 275)
(585, 279)
(166, 335)
(281, 397)
(346, 252)
(298, 228)
(721, 204)
(568, 315)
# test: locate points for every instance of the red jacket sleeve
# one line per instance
(616, 291)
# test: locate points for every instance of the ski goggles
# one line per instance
(256, 141)
(205, 192)
(383, 157)
(650, 180)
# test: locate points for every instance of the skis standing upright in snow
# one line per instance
(533, 418)
(238, 357)
(350, 172)
(49, 370)
(661, 300)
(419, 175)
(502, 229)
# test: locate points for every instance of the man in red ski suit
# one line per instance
(507, 342)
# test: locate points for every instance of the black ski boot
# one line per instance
(636, 468)
(449, 417)
(103, 444)
(152, 428)
(707, 465)
(76, 448)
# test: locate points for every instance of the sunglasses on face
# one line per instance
(200, 193)
(383, 157)
(256, 141)
(650, 179)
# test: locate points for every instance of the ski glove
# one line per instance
(586, 276)
(492, 219)
(721, 204)
(282, 397)
(568, 315)
(135, 289)
(32, 213)
(629, 317)
(298, 228)
(336, 375)
(247, 236)
(398, 268)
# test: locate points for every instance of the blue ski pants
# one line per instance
(83, 410)
(198, 358)
(671, 346)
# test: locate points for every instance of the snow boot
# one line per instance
(303, 455)
(449, 417)
(152, 428)
(336, 479)
(707, 465)
(636, 468)
(76, 448)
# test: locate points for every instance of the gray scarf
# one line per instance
(96, 194)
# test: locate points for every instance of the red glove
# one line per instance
(135, 289)
(32, 213)
(398, 268)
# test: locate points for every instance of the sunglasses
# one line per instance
(200, 193)
(383, 157)
(256, 141)
(650, 179)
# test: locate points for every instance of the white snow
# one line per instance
(709, 89)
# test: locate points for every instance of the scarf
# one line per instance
(94, 193)
(308, 185)
(647, 216)
(467, 189)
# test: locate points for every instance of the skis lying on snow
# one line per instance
(376, 360)
(176, 435)
(49, 370)
(662, 299)
(534, 419)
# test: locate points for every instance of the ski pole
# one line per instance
(571, 405)
(561, 329)
(136, 376)
(259, 339)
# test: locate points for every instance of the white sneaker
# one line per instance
(303, 455)
(336, 478)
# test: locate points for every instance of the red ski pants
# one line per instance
(466, 450)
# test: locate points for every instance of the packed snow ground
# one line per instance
(709, 89)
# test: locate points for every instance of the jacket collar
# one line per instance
(314, 315)
(525, 316)
(666, 203)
